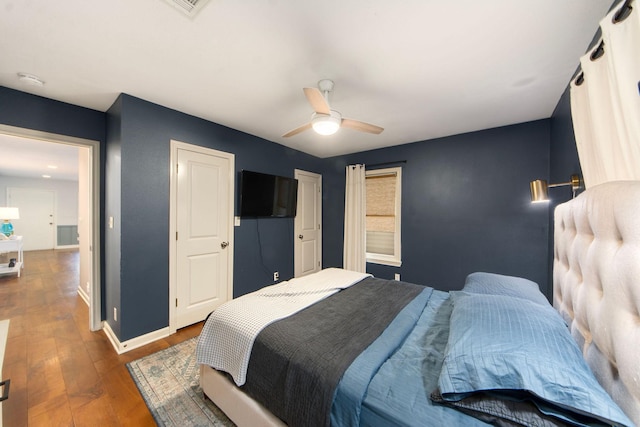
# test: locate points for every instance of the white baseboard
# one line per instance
(83, 294)
(123, 347)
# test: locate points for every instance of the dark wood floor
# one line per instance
(61, 373)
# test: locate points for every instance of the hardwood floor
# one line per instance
(61, 373)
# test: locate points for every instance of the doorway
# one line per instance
(90, 181)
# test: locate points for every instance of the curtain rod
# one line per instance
(622, 14)
(386, 163)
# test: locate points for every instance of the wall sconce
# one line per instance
(8, 214)
(539, 188)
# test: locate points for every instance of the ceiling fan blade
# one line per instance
(297, 130)
(317, 101)
(361, 126)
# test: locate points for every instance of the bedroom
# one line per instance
(484, 172)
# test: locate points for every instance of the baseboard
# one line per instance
(83, 294)
(123, 347)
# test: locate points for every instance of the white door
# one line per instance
(204, 231)
(308, 224)
(37, 220)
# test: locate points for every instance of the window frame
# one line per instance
(394, 260)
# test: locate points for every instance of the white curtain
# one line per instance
(354, 220)
(605, 107)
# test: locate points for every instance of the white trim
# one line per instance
(67, 247)
(95, 315)
(84, 296)
(173, 209)
(123, 347)
(378, 259)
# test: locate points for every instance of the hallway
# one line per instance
(61, 373)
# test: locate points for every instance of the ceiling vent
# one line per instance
(188, 7)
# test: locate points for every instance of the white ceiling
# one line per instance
(30, 158)
(421, 69)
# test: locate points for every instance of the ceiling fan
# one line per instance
(324, 120)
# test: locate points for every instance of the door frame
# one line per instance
(95, 301)
(173, 219)
(318, 177)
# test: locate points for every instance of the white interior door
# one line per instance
(308, 224)
(37, 222)
(204, 231)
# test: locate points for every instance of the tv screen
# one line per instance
(264, 195)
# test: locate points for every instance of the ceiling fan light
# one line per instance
(326, 124)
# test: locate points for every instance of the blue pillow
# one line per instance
(498, 284)
(516, 349)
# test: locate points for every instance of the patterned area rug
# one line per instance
(168, 382)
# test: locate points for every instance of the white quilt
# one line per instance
(228, 336)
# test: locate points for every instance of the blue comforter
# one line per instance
(390, 382)
(501, 356)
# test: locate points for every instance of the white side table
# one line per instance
(13, 244)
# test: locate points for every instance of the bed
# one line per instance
(333, 352)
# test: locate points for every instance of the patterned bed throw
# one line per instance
(228, 336)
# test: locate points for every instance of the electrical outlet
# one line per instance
(115, 314)
(397, 276)
(276, 276)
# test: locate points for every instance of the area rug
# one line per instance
(168, 382)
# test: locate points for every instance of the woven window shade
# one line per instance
(381, 202)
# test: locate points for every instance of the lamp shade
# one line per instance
(539, 191)
(9, 213)
(326, 124)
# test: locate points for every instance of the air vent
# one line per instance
(188, 7)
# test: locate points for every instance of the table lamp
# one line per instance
(7, 214)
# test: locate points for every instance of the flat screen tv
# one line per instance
(263, 195)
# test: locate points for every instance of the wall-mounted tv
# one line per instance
(264, 195)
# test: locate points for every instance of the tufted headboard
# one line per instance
(596, 284)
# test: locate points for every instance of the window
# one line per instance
(383, 187)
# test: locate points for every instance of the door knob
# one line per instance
(300, 236)
(224, 244)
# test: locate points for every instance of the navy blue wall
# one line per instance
(34, 112)
(465, 206)
(113, 194)
(146, 132)
(564, 154)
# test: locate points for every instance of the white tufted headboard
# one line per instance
(596, 284)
